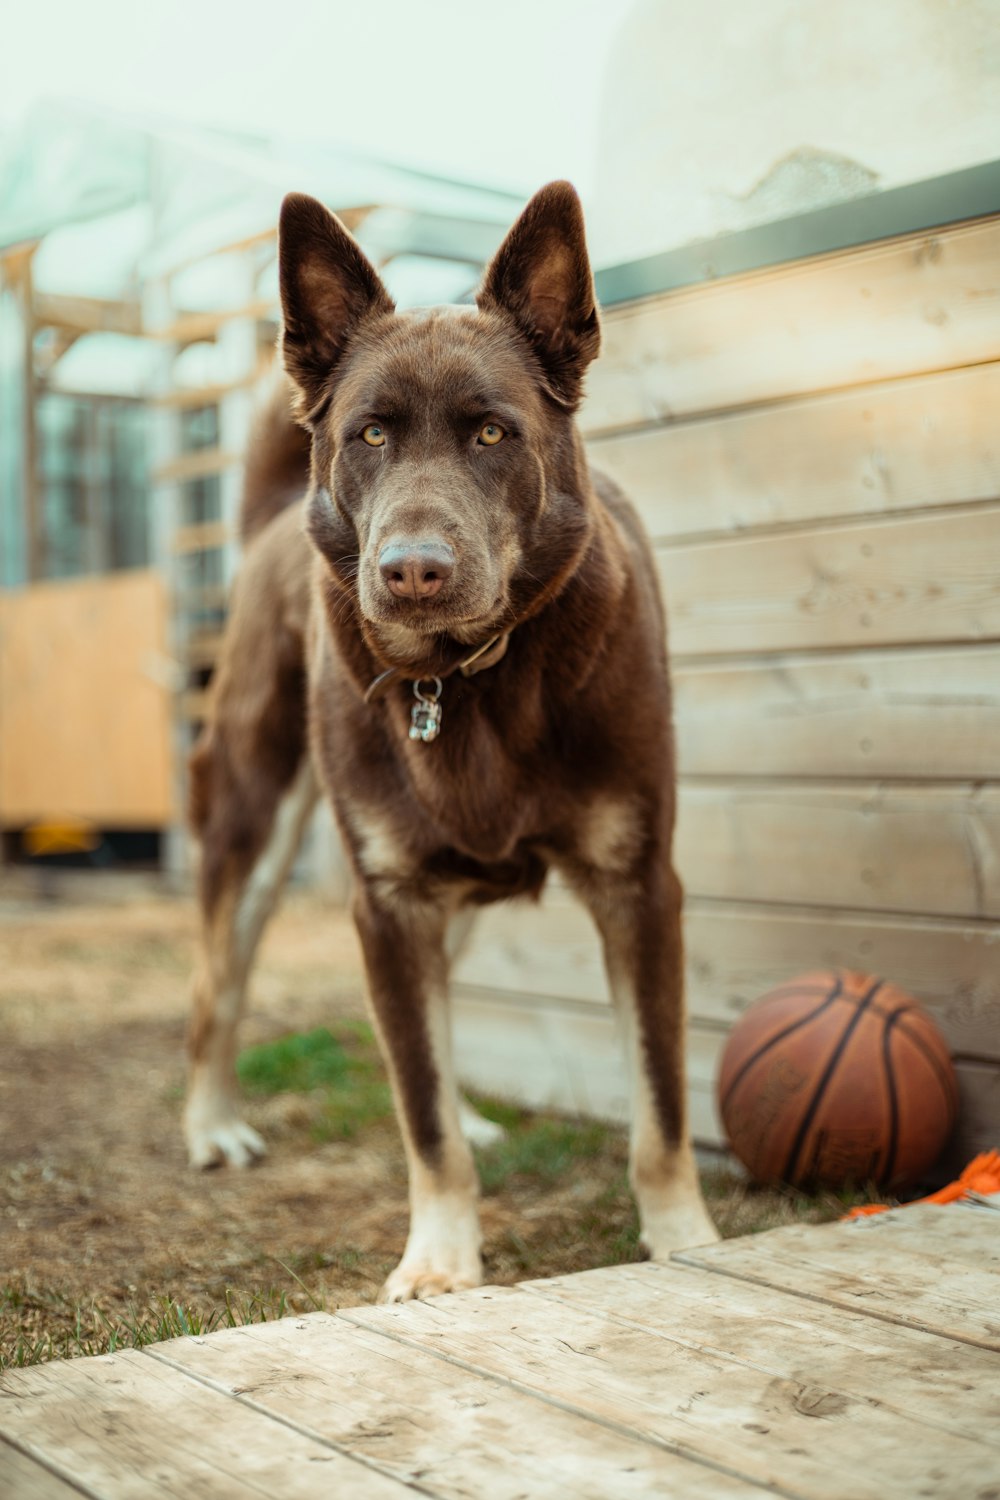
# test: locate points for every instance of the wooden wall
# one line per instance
(815, 451)
(84, 702)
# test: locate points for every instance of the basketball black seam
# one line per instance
(890, 1081)
(828, 1073)
(946, 1081)
(773, 1041)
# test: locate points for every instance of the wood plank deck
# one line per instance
(822, 1363)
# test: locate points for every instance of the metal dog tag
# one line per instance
(425, 715)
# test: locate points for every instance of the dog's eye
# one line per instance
(491, 434)
(374, 435)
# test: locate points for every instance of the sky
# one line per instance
(506, 94)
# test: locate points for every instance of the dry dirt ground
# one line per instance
(105, 1233)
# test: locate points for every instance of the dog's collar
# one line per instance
(486, 655)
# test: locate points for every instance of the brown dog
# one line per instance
(480, 662)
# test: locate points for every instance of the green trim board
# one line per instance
(971, 193)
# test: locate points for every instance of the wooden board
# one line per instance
(84, 710)
(903, 307)
(555, 1054)
(916, 579)
(941, 1382)
(125, 1425)
(931, 441)
(735, 952)
(201, 536)
(196, 464)
(891, 714)
(22, 1478)
(930, 850)
(864, 1266)
(724, 1413)
(454, 1433)
(979, 1113)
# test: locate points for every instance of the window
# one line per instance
(93, 484)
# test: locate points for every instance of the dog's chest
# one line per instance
(479, 798)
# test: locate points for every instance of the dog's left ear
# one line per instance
(541, 276)
(329, 287)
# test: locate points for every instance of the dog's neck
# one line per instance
(477, 660)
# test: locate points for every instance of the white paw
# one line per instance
(680, 1228)
(478, 1131)
(416, 1279)
(442, 1249)
(221, 1139)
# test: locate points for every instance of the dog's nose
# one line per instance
(416, 569)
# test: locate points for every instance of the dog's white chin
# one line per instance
(409, 640)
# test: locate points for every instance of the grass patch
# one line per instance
(294, 1064)
(48, 1324)
(542, 1149)
(344, 1068)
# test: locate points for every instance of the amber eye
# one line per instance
(374, 435)
(491, 434)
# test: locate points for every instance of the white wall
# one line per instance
(721, 114)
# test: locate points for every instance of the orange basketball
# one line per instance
(836, 1078)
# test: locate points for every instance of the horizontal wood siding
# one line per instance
(815, 450)
(736, 951)
(905, 445)
(887, 714)
(913, 579)
(928, 850)
(924, 303)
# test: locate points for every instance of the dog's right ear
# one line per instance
(328, 288)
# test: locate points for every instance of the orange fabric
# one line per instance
(982, 1175)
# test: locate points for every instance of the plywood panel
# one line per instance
(834, 1263)
(944, 1383)
(922, 849)
(914, 579)
(899, 714)
(929, 441)
(84, 710)
(125, 1425)
(453, 1433)
(925, 302)
(788, 1434)
(735, 952)
(23, 1479)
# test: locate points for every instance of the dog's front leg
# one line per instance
(639, 918)
(403, 939)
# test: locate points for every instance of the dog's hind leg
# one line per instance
(252, 791)
(238, 897)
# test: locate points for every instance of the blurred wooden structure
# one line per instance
(809, 1362)
(82, 664)
(815, 448)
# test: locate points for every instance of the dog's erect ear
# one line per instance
(328, 288)
(541, 277)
